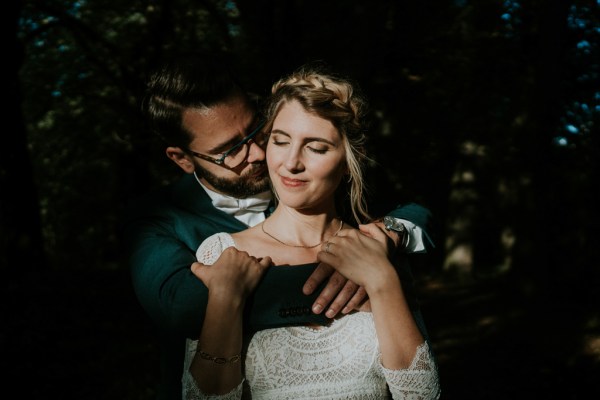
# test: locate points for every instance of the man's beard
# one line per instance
(240, 187)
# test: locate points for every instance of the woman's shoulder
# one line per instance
(212, 247)
(248, 239)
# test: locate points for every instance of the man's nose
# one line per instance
(255, 152)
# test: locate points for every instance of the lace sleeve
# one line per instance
(192, 392)
(211, 248)
(419, 381)
(208, 252)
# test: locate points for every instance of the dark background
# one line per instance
(486, 112)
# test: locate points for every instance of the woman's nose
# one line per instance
(293, 161)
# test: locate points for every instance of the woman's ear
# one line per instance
(180, 158)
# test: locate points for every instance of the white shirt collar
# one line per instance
(249, 210)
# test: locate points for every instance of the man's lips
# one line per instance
(258, 172)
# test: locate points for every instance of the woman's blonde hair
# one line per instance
(337, 100)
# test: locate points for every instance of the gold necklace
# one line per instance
(262, 226)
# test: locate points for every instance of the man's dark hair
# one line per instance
(189, 80)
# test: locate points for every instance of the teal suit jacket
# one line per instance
(161, 233)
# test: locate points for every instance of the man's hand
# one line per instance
(393, 239)
(348, 295)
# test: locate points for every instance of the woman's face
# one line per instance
(306, 159)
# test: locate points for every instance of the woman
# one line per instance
(315, 157)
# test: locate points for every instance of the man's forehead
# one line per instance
(219, 123)
(222, 114)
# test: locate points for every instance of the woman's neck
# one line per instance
(293, 228)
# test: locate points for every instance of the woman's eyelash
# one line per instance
(284, 142)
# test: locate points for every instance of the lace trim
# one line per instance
(211, 248)
(192, 392)
(419, 381)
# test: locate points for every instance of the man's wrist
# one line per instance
(394, 225)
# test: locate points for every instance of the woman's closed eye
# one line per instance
(315, 146)
(279, 142)
(318, 149)
(312, 147)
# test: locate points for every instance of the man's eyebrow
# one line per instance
(223, 147)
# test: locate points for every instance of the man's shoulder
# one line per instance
(177, 205)
(416, 213)
(168, 198)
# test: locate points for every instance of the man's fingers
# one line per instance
(322, 272)
(335, 288)
(344, 296)
(356, 301)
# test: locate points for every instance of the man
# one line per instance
(213, 131)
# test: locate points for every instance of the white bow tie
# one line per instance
(233, 206)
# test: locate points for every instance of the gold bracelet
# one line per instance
(219, 360)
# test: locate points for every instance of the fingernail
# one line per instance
(317, 308)
(330, 313)
(346, 310)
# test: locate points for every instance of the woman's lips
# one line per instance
(289, 182)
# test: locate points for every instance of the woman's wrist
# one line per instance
(383, 283)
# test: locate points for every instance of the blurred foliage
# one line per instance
(485, 112)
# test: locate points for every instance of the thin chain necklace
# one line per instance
(262, 226)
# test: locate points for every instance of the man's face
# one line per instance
(217, 130)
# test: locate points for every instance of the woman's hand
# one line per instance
(230, 280)
(341, 294)
(360, 255)
(234, 273)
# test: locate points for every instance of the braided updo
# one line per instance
(337, 100)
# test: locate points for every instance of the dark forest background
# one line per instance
(486, 112)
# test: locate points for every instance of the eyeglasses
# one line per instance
(238, 153)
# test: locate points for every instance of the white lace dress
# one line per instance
(339, 361)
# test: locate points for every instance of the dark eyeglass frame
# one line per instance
(221, 160)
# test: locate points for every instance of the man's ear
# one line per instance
(180, 158)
